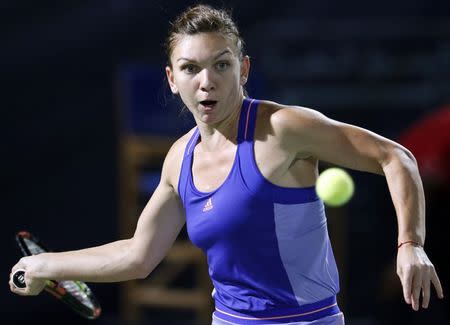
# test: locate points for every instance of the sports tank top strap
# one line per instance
(247, 120)
(185, 172)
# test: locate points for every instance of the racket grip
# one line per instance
(19, 279)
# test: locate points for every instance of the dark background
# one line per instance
(381, 65)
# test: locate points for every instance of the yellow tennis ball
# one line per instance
(335, 187)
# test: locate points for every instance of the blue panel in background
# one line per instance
(148, 182)
(148, 106)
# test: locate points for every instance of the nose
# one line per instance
(207, 80)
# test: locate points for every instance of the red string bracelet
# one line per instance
(409, 242)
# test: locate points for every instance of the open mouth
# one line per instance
(208, 103)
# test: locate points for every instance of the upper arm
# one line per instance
(162, 218)
(310, 133)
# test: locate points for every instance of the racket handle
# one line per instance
(19, 279)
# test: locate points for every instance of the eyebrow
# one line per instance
(227, 51)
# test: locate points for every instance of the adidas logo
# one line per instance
(208, 206)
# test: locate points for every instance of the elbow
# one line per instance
(136, 262)
(407, 158)
(398, 156)
(138, 269)
(141, 270)
(410, 156)
(140, 266)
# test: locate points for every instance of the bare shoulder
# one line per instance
(295, 129)
(284, 118)
(174, 158)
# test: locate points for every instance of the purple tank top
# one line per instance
(268, 250)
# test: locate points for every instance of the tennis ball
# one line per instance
(335, 186)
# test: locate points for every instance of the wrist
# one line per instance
(409, 242)
(414, 236)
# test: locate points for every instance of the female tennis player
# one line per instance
(243, 181)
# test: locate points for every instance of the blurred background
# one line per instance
(87, 119)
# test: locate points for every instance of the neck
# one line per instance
(217, 136)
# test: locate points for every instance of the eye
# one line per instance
(189, 68)
(222, 66)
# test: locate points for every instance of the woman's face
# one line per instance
(208, 74)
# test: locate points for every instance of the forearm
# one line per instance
(112, 262)
(407, 194)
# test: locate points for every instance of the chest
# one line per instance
(211, 169)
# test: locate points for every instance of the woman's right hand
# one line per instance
(33, 285)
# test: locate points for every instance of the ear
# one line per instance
(170, 80)
(245, 70)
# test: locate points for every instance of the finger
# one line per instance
(16, 290)
(406, 285)
(425, 291)
(16, 267)
(416, 287)
(437, 284)
(21, 264)
(11, 286)
(20, 292)
(11, 283)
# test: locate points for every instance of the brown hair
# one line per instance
(202, 19)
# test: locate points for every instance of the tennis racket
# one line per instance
(75, 294)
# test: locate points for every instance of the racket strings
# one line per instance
(79, 291)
